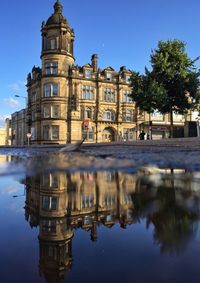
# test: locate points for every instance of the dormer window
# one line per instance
(88, 74)
(108, 76)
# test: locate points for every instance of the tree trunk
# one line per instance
(171, 124)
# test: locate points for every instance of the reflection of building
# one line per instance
(67, 102)
(59, 203)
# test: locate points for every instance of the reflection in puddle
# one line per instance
(61, 203)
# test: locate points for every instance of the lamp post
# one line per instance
(20, 96)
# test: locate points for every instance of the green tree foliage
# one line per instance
(176, 72)
(172, 84)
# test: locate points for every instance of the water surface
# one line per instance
(63, 223)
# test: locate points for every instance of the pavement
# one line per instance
(180, 153)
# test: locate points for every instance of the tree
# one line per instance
(172, 84)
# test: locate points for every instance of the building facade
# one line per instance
(19, 127)
(66, 102)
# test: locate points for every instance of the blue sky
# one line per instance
(123, 33)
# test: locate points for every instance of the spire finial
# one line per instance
(58, 7)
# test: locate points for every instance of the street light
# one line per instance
(20, 96)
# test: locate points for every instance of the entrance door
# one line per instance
(108, 135)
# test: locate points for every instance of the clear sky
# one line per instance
(121, 32)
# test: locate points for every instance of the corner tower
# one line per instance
(57, 59)
(57, 40)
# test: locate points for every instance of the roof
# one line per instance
(57, 17)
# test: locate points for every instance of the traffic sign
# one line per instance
(86, 123)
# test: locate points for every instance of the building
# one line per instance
(66, 102)
(19, 127)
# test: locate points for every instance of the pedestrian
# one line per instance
(141, 135)
(120, 136)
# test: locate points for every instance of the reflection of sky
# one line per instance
(118, 255)
(18, 241)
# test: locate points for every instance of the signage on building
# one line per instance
(86, 123)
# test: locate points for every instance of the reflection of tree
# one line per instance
(174, 224)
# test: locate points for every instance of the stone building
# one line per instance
(66, 102)
(19, 127)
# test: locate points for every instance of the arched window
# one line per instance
(86, 113)
(108, 116)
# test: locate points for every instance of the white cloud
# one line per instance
(17, 86)
(14, 87)
(11, 102)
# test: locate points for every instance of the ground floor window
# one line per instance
(51, 132)
(88, 134)
(129, 134)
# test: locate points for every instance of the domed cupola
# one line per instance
(57, 17)
(57, 37)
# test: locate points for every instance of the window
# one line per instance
(51, 133)
(51, 68)
(50, 90)
(126, 97)
(87, 92)
(46, 112)
(55, 111)
(108, 76)
(128, 116)
(46, 132)
(88, 134)
(109, 200)
(109, 94)
(129, 134)
(51, 111)
(49, 202)
(34, 96)
(33, 133)
(109, 116)
(53, 181)
(53, 43)
(33, 115)
(47, 90)
(48, 225)
(55, 132)
(87, 113)
(88, 74)
(87, 201)
(127, 79)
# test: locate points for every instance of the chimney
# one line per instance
(94, 61)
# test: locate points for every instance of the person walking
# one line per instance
(141, 135)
